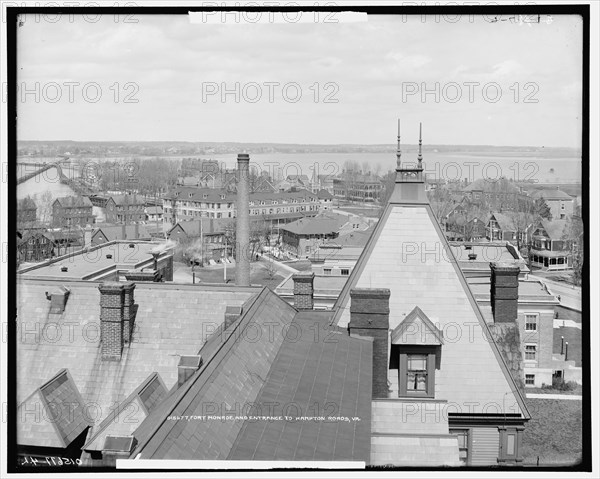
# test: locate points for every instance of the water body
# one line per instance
(47, 181)
(449, 166)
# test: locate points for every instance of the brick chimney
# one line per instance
(186, 368)
(370, 316)
(112, 303)
(242, 256)
(504, 291)
(304, 290)
(129, 310)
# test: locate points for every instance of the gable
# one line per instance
(409, 254)
(417, 329)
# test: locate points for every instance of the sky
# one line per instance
(468, 80)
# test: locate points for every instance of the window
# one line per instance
(416, 371)
(307, 249)
(530, 379)
(531, 322)
(463, 444)
(327, 271)
(345, 272)
(530, 352)
(416, 377)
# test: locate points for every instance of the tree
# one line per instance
(522, 222)
(573, 240)
(441, 202)
(44, 203)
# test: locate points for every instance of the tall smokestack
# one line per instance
(242, 254)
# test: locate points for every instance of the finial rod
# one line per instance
(420, 155)
(398, 152)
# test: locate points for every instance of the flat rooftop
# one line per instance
(84, 264)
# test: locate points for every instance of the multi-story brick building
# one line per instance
(560, 203)
(125, 209)
(357, 187)
(186, 203)
(71, 211)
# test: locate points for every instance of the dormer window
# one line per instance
(416, 354)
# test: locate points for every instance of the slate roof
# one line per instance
(214, 195)
(552, 194)
(319, 225)
(53, 415)
(334, 372)
(354, 238)
(115, 232)
(154, 210)
(324, 195)
(129, 414)
(209, 226)
(122, 200)
(172, 320)
(555, 229)
(504, 222)
(409, 254)
(74, 201)
(489, 186)
(270, 354)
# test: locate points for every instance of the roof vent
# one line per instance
(472, 257)
(109, 256)
(468, 246)
(232, 314)
(64, 269)
(119, 445)
(186, 368)
(131, 245)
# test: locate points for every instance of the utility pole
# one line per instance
(225, 261)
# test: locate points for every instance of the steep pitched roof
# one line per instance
(417, 328)
(121, 232)
(192, 228)
(284, 363)
(332, 371)
(171, 320)
(74, 201)
(555, 229)
(236, 363)
(504, 221)
(409, 254)
(121, 200)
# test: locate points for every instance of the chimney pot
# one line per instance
(370, 316)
